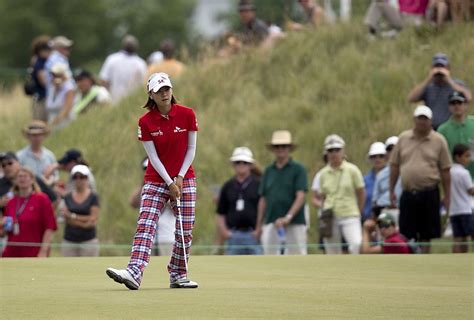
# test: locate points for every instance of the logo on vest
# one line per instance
(178, 129)
(157, 133)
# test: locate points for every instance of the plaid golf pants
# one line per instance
(154, 197)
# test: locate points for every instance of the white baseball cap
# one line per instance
(242, 154)
(333, 141)
(391, 141)
(82, 169)
(377, 148)
(157, 81)
(423, 111)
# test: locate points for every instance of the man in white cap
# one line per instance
(436, 89)
(61, 51)
(282, 197)
(376, 157)
(421, 157)
(381, 195)
(237, 207)
(123, 71)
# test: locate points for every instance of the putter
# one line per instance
(180, 217)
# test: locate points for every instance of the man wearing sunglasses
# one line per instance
(282, 196)
(393, 241)
(459, 129)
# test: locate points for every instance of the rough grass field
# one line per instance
(312, 83)
(277, 287)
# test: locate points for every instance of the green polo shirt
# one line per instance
(279, 187)
(339, 187)
(456, 133)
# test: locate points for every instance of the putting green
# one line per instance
(278, 287)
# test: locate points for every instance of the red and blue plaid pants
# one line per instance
(154, 197)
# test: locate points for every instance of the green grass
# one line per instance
(270, 287)
(314, 84)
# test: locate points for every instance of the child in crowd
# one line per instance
(462, 190)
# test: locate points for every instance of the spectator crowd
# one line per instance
(395, 208)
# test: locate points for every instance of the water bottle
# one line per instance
(282, 237)
(8, 224)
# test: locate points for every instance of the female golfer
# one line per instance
(168, 132)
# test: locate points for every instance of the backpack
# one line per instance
(29, 85)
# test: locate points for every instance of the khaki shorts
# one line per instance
(80, 249)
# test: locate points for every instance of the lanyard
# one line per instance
(243, 186)
(19, 209)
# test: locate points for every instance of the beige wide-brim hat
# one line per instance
(281, 137)
(36, 127)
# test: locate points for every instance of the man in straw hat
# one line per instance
(282, 197)
(35, 155)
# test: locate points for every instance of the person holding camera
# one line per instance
(436, 89)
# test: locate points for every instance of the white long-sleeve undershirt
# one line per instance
(158, 165)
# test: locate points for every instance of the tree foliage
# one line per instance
(96, 26)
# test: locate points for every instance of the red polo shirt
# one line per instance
(36, 217)
(400, 242)
(170, 137)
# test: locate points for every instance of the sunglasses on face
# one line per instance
(241, 162)
(384, 225)
(375, 156)
(281, 146)
(455, 102)
(389, 148)
(79, 176)
(5, 164)
(334, 150)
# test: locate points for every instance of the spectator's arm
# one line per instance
(42, 77)
(446, 180)
(417, 92)
(369, 226)
(457, 87)
(4, 200)
(136, 198)
(262, 205)
(295, 207)
(360, 194)
(224, 232)
(68, 102)
(471, 191)
(317, 199)
(297, 203)
(46, 243)
(50, 170)
(394, 172)
(2, 223)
